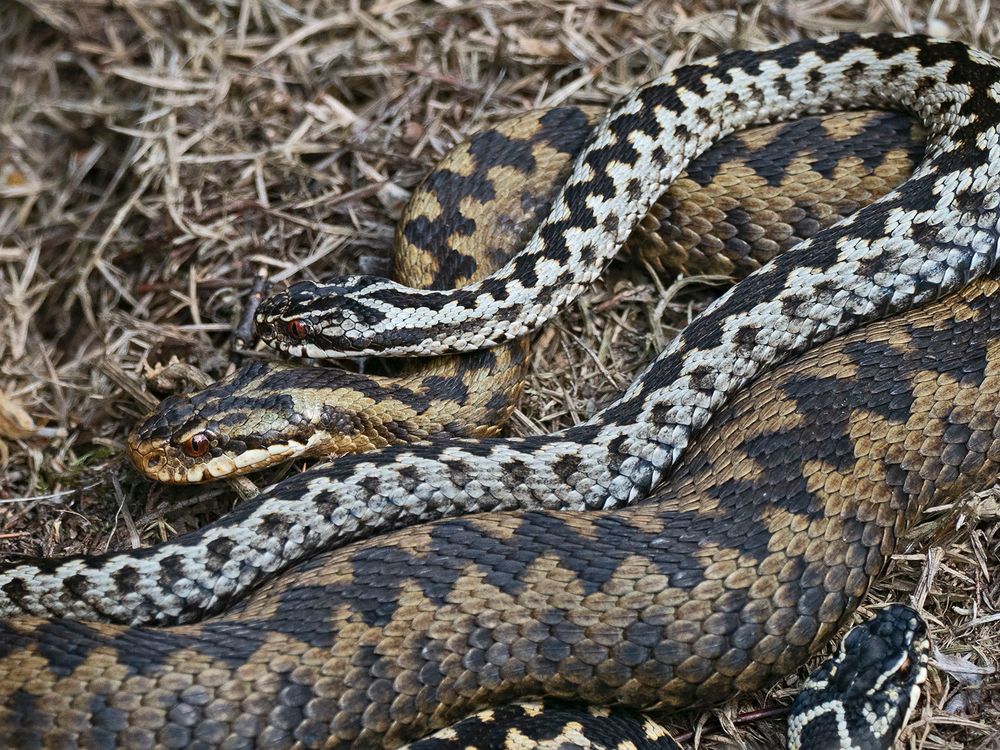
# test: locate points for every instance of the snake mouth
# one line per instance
(159, 466)
(318, 349)
(921, 651)
(162, 462)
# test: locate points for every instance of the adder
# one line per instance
(938, 230)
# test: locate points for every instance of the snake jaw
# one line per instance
(165, 460)
(158, 460)
(162, 462)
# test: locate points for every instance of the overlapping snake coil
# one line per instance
(753, 195)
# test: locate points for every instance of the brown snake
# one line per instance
(856, 135)
(787, 507)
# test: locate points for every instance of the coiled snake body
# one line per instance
(753, 195)
(759, 545)
(683, 600)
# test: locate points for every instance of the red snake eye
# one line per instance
(197, 445)
(903, 670)
(297, 329)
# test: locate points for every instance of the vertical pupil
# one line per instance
(197, 445)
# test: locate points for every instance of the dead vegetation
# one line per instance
(157, 154)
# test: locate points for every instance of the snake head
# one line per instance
(324, 320)
(174, 443)
(863, 696)
(240, 424)
(365, 315)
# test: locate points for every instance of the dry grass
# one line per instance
(156, 154)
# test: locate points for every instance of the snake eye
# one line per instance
(197, 445)
(904, 669)
(297, 329)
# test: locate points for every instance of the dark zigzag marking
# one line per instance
(705, 332)
(565, 129)
(511, 723)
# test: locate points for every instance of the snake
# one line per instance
(616, 457)
(753, 195)
(641, 146)
(933, 236)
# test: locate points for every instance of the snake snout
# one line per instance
(149, 458)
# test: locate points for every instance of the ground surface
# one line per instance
(154, 155)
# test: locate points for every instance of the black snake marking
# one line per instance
(764, 539)
(550, 725)
(935, 233)
(644, 143)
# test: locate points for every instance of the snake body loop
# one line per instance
(859, 699)
(751, 558)
(644, 143)
(837, 279)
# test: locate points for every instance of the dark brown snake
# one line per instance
(864, 134)
(749, 562)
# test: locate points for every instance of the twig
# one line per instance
(243, 337)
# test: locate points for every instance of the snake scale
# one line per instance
(749, 559)
(673, 601)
